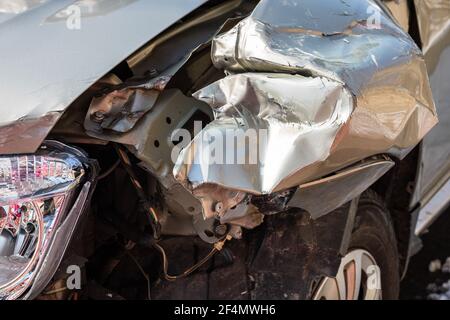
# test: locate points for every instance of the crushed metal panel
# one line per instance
(123, 105)
(152, 139)
(352, 44)
(279, 112)
(66, 62)
(120, 105)
(348, 41)
(153, 142)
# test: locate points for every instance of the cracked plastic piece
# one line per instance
(347, 83)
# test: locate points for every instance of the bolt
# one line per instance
(219, 207)
(98, 116)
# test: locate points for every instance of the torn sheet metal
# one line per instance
(120, 107)
(66, 60)
(152, 141)
(280, 122)
(347, 83)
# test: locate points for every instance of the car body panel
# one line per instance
(54, 61)
(319, 86)
(434, 24)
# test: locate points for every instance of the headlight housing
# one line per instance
(36, 193)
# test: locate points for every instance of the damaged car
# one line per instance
(219, 149)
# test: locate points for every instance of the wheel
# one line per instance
(370, 270)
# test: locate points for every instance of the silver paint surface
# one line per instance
(433, 208)
(325, 195)
(380, 66)
(292, 109)
(44, 65)
(434, 24)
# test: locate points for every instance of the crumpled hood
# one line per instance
(371, 76)
(45, 64)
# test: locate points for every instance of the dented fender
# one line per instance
(329, 83)
(66, 60)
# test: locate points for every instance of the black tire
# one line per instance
(373, 231)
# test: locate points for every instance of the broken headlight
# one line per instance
(36, 192)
